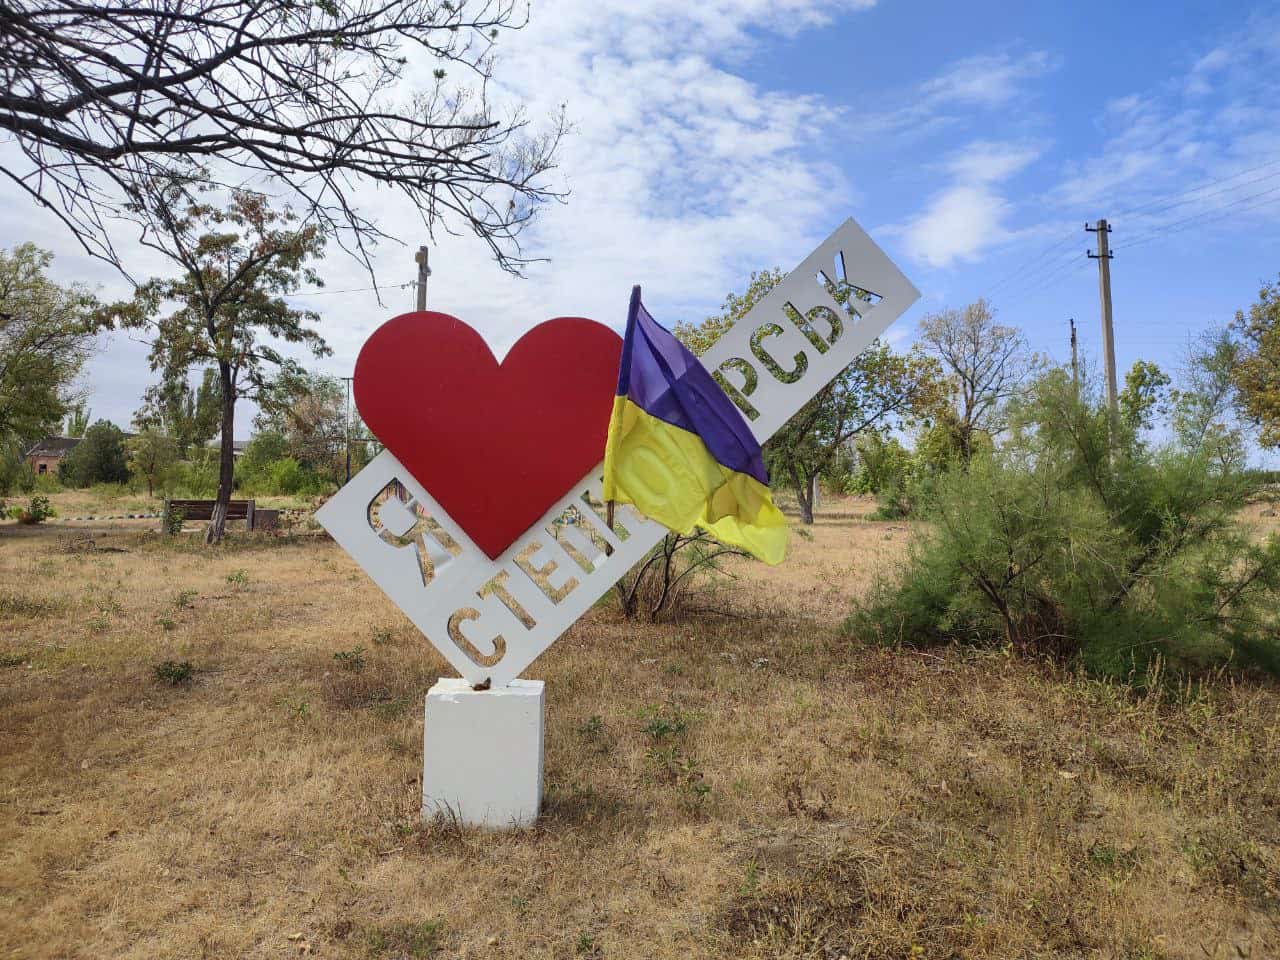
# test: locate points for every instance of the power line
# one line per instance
(1208, 183)
(1033, 262)
(1216, 193)
(1042, 266)
(1178, 225)
(321, 293)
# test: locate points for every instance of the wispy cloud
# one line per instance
(968, 216)
(981, 82)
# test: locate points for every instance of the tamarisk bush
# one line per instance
(1081, 539)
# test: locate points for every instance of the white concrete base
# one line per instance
(482, 753)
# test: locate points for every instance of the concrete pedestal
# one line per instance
(482, 753)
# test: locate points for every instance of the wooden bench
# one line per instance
(203, 510)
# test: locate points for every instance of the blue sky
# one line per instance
(972, 141)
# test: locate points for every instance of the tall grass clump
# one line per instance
(1082, 539)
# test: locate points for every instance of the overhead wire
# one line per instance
(1222, 213)
(321, 292)
(1044, 267)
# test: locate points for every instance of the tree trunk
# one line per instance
(227, 459)
(804, 496)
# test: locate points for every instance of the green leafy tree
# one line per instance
(310, 411)
(98, 458)
(238, 263)
(1256, 375)
(880, 390)
(883, 462)
(190, 417)
(1206, 404)
(151, 454)
(78, 419)
(989, 365)
(46, 334)
(1144, 396)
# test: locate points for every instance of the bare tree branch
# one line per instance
(103, 97)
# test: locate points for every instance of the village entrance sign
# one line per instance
(491, 597)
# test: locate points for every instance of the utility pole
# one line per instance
(1103, 256)
(1075, 360)
(348, 428)
(424, 271)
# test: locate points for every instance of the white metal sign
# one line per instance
(492, 618)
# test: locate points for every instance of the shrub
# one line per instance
(661, 585)
(37, 510)
(196, 478)
(1117, 554)
(176, 673)
(174, 517)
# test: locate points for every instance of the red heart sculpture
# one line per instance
(495, 444)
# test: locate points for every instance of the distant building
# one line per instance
(45, 456)
(237, 446)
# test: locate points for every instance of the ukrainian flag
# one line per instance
(680, 451)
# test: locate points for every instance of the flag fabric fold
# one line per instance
(680, 452)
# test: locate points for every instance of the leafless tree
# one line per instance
(988, 362)
(102, 97)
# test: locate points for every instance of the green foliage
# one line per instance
(36, 511)
(152, 455)
(1145, 395)
(176, 673)
(46, 334)
(196, 478)
(1076, 544)
(883, 464)
(1256, 375)
(99, 458)
(353, 659)
(189, 417)
(264, 447)
(309, 411)
(78, 416)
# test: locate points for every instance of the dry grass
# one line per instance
(715, 788)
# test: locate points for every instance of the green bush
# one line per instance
(883, 464)
(176, 673)
(196, 478)
(37, 510)
(1113, 554)
(174, 518)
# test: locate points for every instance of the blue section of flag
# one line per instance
(660, 375)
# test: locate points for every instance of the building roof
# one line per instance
(54, 447)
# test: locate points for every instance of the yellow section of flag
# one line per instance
(669, 475)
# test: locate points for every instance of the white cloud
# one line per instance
(1212, 123)
(684, 175)
(967, 217)
(987, 161)
(989, 80)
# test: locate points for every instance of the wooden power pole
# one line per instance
(1075, 356)
(424, 271)
(1103, 256)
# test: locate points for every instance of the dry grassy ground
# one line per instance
(751, 787)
